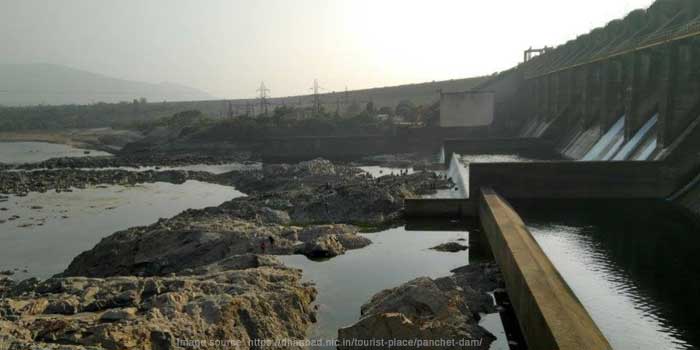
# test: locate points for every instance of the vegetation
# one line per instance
(409, 103)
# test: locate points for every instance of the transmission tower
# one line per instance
(317, 97)
(263, 97)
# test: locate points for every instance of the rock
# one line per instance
(7, 273)
(425, 309)
(197, 238)
(17, 182)
(119, 314)
(451, 247)
(263, 303)
(322, 247)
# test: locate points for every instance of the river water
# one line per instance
(634, 266)
(29, 152)
(42, 232)
(52, 228)
(395, 256)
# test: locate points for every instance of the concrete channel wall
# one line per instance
(439, 208)
(575, 180)
(530, 147)
(402, 140)
(549, 314)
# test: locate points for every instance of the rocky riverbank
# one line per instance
(135, 161)
(21, 183)
(429, 310)
(210, 274)
(208, 308)
(309, 208)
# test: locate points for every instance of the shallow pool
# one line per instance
(30, 152)
(52, 228)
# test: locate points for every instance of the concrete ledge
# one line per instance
(564, 179)
(529, 147)
(439, 208)
(549, 314)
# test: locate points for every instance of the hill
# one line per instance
(50, 84)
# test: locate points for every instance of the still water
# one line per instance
(633, 265)
(29, 152)
(395, 256)
(52, 228)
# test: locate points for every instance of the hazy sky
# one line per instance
(226, 47)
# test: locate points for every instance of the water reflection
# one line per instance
(29, 152)
(395, 256)
(632, 264)
(52, 228)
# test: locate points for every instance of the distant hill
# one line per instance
(50, 84)
(389, 96)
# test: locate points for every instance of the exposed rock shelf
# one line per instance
(423, 310)
(20, 183)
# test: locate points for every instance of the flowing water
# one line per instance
(633, 265)
(29, 152)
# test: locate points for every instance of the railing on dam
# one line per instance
(654, 39)
(549, 314)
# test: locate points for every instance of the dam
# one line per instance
(610, 117)
(552, 205)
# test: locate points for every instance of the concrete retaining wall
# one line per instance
(549, 314)
(466, 109)
(566, 179)
(403, 140)
(529, 147)
(439, 208)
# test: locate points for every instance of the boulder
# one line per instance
(450, 247)
(427, 313)
(155, 312)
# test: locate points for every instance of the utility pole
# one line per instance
(263, 97)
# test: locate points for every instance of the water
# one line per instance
(607, 142)
(460, 170)
(69, 223)
(633, 265)
(647, 150)
(641, 136)
(395, 256)
(29, 152)
(379, 171)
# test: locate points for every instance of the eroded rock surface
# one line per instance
(434, 312)
(210, 273)
(22, 182)
(450, 247)
(158, 312)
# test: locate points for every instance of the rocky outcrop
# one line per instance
(319, 191)
(158, 313)
(209, 274)
(305, 219)
(450, 247)
(21, 182)
(139, 160)
(196, 238)
(428, 312)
